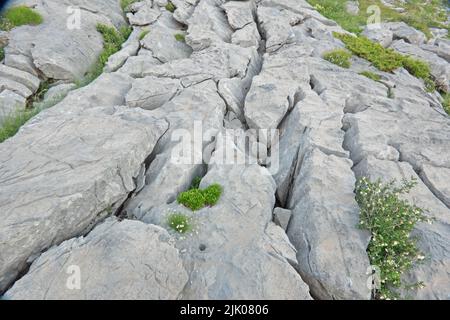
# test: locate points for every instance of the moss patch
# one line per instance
(180, 37)
(112, 43)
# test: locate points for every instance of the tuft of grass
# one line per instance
(13, 122)
(180, 37)
(446, 103)
(2, 53)
(390, 221)
(195, 198)
(19, 16)
(339, 57)
(112, 43)
(179, 222)
(371, 75)
(170, 7)
(124, 4)
(143, 34)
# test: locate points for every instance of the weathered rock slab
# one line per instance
(66, 167)
(118, 260)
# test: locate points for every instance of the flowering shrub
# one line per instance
(390, 221)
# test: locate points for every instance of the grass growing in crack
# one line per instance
(419, 14)
(19, 16)
(386, 59)
(14, 121)
(390, 221)
(446, 103)
(339, 57)
(180, 37)
(371, 75)
(2, 53)
(196, 198)
(390, 93)
(179, 222)
(170, 7)
(143, 34)
(112, 43)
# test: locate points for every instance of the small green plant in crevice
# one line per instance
(446, 102)
(180, 37)
(19, 16)
(112, 43)
(339, 57)
(179, 222)
(195, 183)
(2, 53)
(12, 123)
(212, 194)
(371, 75)
(40, 93)
(143, 34)
(196, 198)
(390, 221)
(124, 4)
(170, 7)
(383, 59)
